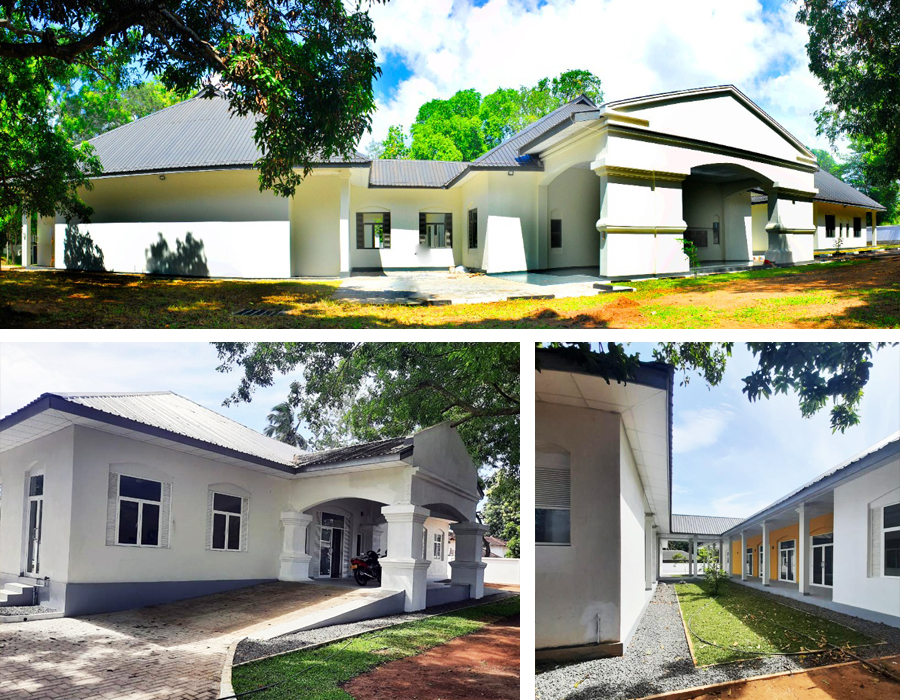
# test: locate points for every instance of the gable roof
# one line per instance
(196, 134)
(832, 190)
(702, 524)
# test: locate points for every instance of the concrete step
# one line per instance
(16, 594)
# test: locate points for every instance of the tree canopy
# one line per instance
(818, 373)
(466, 125)
(854, 51)
(304, 67)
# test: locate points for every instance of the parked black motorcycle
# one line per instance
(366, 568)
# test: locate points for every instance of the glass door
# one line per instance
(35, 523)
(331, 545)
(823, 559)
(748, 565)
(786, 551)
(760, 562)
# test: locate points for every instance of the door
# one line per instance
(786, 561)
(35, 523)
(822, 560)
(760, 562)
(748, 565)
(337, 542)
(331, 545)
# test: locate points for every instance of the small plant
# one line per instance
(690, 250)
(678, 557)
(713, 575)
(838, 242)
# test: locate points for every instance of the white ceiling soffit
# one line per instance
(644, 412)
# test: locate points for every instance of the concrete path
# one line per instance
(173, 651)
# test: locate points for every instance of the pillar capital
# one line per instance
(293, 516)
(468, 528)
(405, 513)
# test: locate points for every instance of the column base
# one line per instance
(471, 574)
(294, 567)
(409, 576)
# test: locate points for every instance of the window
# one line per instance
(35, 522)
(556, 233)
(473, 228)
(373, 230)
(715, 233)
(438, 546)
(698, 236)
(436, 230)
(857, 227)
(786, 553)
(139, 503)
(553, 504)
(226, 529)
(359, 545)
(829, 226)
(891, 520)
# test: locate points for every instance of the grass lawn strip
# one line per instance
(332, 665)
(742, 619)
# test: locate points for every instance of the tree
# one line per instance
(827, 162)
(393, 147)
(283, 426)
(502, 511)
(304, 67)
(868, 170)
(816, 372)
(854, 52)
(678, 557)
(679, 544)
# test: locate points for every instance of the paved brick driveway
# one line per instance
(173, 651)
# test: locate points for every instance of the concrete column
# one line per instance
(764, 564)
(874, 230)
(743, 556)
(543, 227)
(803, 550)
(691, 547)
(404, 569)
(27, 233)
(726, 557)
(467, 567)
(294, 559)
(345, 227)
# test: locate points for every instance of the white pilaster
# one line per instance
(726, 557)
(27, 233)
(403, 569)
(743, 556)
(803, 550)
(345, 226)
(764, 564)
(294, 559)
(467, 567)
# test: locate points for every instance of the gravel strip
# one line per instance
(658, 659)
(248, 650)
(25, 610)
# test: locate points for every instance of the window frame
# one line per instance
(794, 558)
(857, 231)
(228, 514)
(556, 244)
(429, 234)
(829, 231)
(381, 245)
(748, 561)
(472, 228)
(140, 521)
(884, 531)
(438, 546)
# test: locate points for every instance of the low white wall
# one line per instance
(196, 248)
(501, 570)
(669, 569)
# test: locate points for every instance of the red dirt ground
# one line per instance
(481, 665)
(849, 682)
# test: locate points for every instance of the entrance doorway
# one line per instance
(823, 560)
(331, 546)
(35, 523)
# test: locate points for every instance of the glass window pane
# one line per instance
(150, 524)
(829, 565)
(787, 545)
(892, 515)
(218, 538)
(552, 526)
(823, 539)
(892, 553)
(326, 535)
(36, 486)
(224, 502)
(128, 519)
(329, 520)
(234, 532)
(140, 488)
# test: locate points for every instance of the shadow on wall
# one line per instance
(80, 251)
(188, 258)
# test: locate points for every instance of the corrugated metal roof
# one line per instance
(506, 155)
(702, 524)
(414, 173)
(198, 133)
(831, 189)
(342, 455)
(176, 414)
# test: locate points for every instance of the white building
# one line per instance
(114, 501)
(603, 507)
(609, 187)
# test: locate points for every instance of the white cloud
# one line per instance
(700, 428)
(737, 505)
(635, 48)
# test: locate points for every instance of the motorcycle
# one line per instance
(366, 568)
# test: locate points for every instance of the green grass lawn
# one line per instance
(335, 664)
(742, 616)
(847, 294)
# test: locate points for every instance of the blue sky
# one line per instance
(432, 49)
(732, 457)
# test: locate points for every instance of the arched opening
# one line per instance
(717, 203)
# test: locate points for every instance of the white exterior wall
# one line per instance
(502, 571)
(574, 197)
(52, 457)
(474, 194)
(852, 584)
(405, 205)
(315, 226)
(632, 538)
(737, 227)
(511, 233)
(578, 583)
(187, 557)
(760, 217)
(843, 215)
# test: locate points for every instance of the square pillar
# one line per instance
(467, 567)
(691, 547)
(27, 234)
(726, 554)
(403, 569)
(294, 559)
(764, 564)
(743, 556)
(803, 550)
(345, 234)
